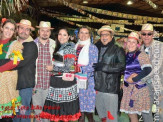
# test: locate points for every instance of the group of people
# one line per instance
(66, 81)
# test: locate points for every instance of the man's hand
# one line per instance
(49, 67)
(97, 66)
(129, 79)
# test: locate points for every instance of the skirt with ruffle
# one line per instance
(9, 99)
(134, 100)
(62, 101)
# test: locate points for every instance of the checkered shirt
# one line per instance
(43, 76)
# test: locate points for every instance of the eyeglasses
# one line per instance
(102, 35)
(147, 34)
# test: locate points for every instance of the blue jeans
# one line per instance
(26, 95)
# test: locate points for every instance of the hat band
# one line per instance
(133, 38)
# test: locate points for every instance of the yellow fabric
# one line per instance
(13, 105)
(1, 45)
(17, 55)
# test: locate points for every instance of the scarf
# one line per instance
(83, 58)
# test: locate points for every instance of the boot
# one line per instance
(90, 117)
(82, 118)
(103, 120)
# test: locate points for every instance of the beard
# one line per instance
(44, 38)
(23, 36)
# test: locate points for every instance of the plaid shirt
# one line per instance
(43, 76)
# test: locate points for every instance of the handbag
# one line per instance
(82, 80)
(68, 77)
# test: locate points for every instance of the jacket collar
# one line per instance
(99, 44)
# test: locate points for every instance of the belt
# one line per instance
(136, 85)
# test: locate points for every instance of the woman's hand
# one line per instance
(49, 67)
(129, 79)
(121, 85)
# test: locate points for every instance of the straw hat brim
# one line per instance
(44, 27)
(32, 28)
(104, 29)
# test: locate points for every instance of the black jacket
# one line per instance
(26, 67)
(112, 64)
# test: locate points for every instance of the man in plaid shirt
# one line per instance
(46, 47)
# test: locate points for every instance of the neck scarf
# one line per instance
(83, 58)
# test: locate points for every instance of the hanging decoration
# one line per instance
(12, 6)
(93, 20)
(80, 9)
(79, 25)
(86, 19)
(153, 5)
(128, 16)
(76, 18)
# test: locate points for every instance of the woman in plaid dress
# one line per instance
(10, 99)
(62, 102)
(135, 98)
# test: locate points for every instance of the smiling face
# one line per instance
(23, 32)
(132, 44)
(84, 34)
(147, 37)
(106, 37)
(8, 30)
(63, 36)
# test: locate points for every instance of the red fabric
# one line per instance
(8, 66)
(57, 118)
(110, 116)
(79, 48)
(69, 56)
(103, 119)
(4, 41)
(133, 38)
(96, 92)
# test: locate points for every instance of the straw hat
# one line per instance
(134, 35)
(44, 24)
(149, 27)
(27, 23)
(105, 28)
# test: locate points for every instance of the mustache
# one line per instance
(23, 33)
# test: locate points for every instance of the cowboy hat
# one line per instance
(44, 24)
(105, 28)
(27, 23)
(134, 35)
(149, 27)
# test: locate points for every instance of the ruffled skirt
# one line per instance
(62, 101)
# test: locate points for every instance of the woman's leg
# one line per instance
(90, 117)
(133, 117)
(82, 118)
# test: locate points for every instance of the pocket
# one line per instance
(68, 77)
